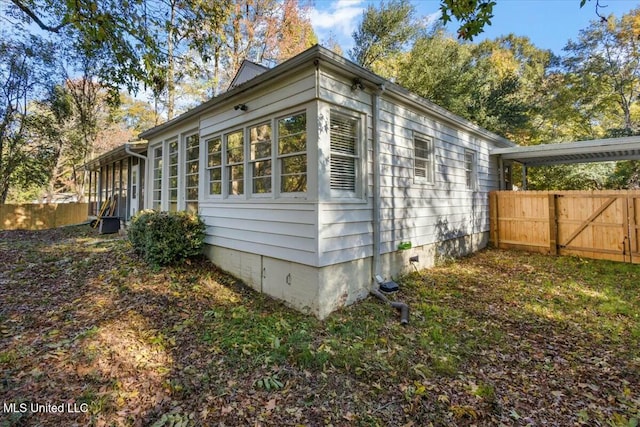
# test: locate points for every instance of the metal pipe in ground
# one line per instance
(400, 306)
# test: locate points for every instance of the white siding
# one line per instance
(345, 225)
(279, 228)
(424, 213)
(421, 213)
(272, 98)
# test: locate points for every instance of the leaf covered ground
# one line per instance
(498, 338)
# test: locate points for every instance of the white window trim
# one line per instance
(152, 163)
(226, 176)
(207, 168)
(273, 159)
(473, 184)
(277, 170)
(183, 172)
(276, 195)
(358, 192)
(430, 168)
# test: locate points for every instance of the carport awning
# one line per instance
(598, 150)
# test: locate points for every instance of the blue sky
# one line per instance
(548, 23)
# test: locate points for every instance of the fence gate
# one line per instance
(595, 227)
(593, 224)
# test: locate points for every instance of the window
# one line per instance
(260, 158)
(235, 162)
(214, 165)
(192, 168)
(156, 202)
(173, 176)
(344, 152)
(423, 159)
(470, 169)
(292, 153)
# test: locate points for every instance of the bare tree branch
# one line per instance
(37, 20)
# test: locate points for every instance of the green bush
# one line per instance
(163, 238)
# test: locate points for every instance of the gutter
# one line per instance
(127, 149)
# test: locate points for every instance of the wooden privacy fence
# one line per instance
(592, 224)
(41, 216)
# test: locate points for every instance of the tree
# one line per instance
(486, 83)
(128, 40)
(383, 33)
(25, 74)
(604, 64)
(474, 15)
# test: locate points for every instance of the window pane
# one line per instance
(344, 150)
(192, 168)
(235, 148)
(292, 135)
(260, 137)
(423, 158)
(215, 188)
(236, 180)
(294, 174)
(294, 184)
(156, 201)
(293, 143)
(344, 134)
(215, 174)
(192, 207)
(262, 168)
(294, 164)
(262, 185)
(214, 152)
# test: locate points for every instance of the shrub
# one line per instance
(163, 238)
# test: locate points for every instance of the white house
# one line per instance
(316, 175)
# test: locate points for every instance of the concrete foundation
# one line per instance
(322, 290)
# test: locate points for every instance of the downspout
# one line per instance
(375, 267)
(375, 106)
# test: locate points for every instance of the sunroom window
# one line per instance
(260, 152)
(344, 152)
(192, 168)
(214, 165)
(173, 176)
(156, 199)
(235, 162)
(292, 153)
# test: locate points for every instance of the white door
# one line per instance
(135, 189)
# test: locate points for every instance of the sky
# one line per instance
(550, 24)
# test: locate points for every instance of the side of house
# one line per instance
(312, 175)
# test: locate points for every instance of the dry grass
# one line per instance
(497, 338)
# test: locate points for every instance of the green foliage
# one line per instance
(164, 238)
(606, 64)
(586, 176)
(383, 32)
(473, 15)
(625, 176)
(490, 84)
(25, 75)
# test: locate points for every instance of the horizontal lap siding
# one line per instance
(285, 231)
(275, 228)
(296, 90)
(346, 232)
(345, 228)
(428, 213)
